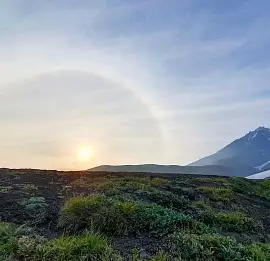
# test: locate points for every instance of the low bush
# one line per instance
(115, 217)
(260, 251)
(231, 221)
(218, 194)
(201, 205)
(16, 244)
(191, 247)
(8, 236)
(35, 209)
(167, 199)
(87, 247)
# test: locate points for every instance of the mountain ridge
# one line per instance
(250, 151)
(247, 155)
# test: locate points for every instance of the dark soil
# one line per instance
(57, 186)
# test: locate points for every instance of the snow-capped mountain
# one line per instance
(249, 154)
(261, 175)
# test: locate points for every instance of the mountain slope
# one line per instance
(261, 175)
(250, 153)
(154, 168)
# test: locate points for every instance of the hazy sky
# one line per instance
(145, 81)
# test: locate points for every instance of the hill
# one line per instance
(103, 216)
(250, 153)
(154, 168)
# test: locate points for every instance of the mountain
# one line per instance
(154, 168)
(261, 175)
(249, 154)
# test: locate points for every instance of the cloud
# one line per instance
(170, 82)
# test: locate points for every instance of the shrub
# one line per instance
(122, 184)
(16, 245)
(260, 251)
(186, 247)
(242, 185)
(218, 194)
(8, 236)
(231, 221)
(15, 242)
(167, 199)
(202, 205)
(87, 247)
(35, 209)
(115, 217)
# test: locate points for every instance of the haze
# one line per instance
(139, 81)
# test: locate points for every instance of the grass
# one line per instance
(16, 245)
(214, 179)
(167, 199)
(201, 205)
(123, 183)
(231, 221)
(5, 188)
(187, 247)
(166, 219)
(251, 187)
(217, 194)
(89, 246)
(113, 217)
(260, 251)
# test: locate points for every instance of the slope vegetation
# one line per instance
(50, 215)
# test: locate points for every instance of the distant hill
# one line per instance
(245, 156)
(249, 154)
(154, 168)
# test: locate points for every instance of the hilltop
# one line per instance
(105, 216)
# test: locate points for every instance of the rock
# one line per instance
(144, 255)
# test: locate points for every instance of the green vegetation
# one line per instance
(260, 251)
(14, 245)
(5, 188)
(126, 183)
(201, 204)
(85, 247)
(218, 194)
(231, 221)
(35, 209)
(186, 247)
(164, 219)
(112, 217)
(251, 187)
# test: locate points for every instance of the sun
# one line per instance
(85, 153)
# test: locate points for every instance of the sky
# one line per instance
(145, 81)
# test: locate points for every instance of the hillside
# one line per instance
(95, 216)
(249, 154)
(155, 168)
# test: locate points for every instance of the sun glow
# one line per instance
(85, 153)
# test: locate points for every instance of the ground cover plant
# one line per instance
(58, 216)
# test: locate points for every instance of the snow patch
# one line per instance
(261, 175)
(263, 165)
